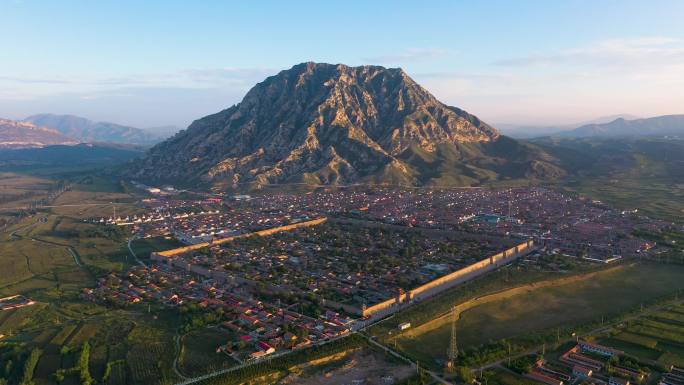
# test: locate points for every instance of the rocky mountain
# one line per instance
(668, 125)
(88, 131)
(334, 124)
(15, 135)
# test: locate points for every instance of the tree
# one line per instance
(84, 366)
(30, 366)
(465, 374)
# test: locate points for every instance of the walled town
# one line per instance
(290, 270)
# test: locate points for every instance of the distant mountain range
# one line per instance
(87, 131)
(15, 135)
(668, 125)
(524, 131)
(607, 127)
(323, 124)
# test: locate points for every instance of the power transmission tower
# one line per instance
(452, 352)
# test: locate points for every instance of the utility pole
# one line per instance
(452, 353)
(509, 352)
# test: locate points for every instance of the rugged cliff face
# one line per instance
(329, 124)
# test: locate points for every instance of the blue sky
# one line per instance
(152, 63)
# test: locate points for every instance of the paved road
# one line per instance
(13, 235)
(176, 339)
(130, 250)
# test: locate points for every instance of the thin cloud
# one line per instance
(183, 78)
(28, 80)
(232, 75)
(410, 55)
(644, 51)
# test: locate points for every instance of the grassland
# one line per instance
(605, 294)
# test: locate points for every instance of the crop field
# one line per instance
(98, 200)
(605, 294)
(655, 337)
(152, 347)
(137, 348)
(199, 354)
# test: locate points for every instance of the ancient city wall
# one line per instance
(393, 304)
(448, 281)
(169, 253)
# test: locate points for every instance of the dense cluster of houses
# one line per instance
(259, 328)
(566, 224)
(346, 265)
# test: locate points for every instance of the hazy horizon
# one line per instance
(167, 63)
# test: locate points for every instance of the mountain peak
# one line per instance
(320, 123)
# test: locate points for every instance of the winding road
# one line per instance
(133, 254)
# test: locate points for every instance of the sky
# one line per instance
(154, 63)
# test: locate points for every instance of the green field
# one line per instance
(606, 294)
